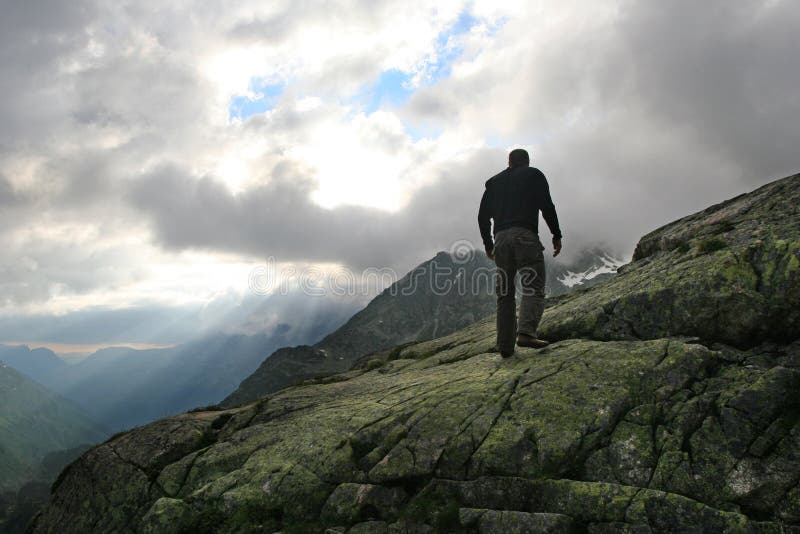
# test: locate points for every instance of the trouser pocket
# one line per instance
(529, 251)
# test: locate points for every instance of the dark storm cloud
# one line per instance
(279, 219)
(726, 72)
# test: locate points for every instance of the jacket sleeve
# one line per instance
(549, 211)
(484, 219)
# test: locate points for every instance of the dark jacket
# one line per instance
(515, 197)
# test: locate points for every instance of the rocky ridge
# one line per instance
(669, 402)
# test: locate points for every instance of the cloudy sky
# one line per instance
(153, 153)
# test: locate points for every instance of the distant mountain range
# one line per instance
(35, 422)
(122, 387)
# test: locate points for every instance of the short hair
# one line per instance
(518, 158)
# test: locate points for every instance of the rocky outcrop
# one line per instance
(652, 421)
(729, 273)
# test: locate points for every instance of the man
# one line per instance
(512, 200)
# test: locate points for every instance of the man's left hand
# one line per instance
(556, 247)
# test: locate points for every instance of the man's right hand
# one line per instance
(556, 247)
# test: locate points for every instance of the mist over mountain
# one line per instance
(240, 312)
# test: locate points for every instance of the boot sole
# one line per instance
(532, 345)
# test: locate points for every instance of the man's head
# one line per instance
(518, 158)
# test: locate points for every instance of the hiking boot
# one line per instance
(503, 353)
(524, 340)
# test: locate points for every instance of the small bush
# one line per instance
(374, 363)
(396, 352)
(711, 245)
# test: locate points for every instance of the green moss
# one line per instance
(793, 264)
(740, 272)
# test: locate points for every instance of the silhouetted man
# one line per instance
(512, 201)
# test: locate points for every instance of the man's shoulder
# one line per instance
(535, 172)
(496, 177)
(535, 177)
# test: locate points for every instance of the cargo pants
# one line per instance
(518, 251)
